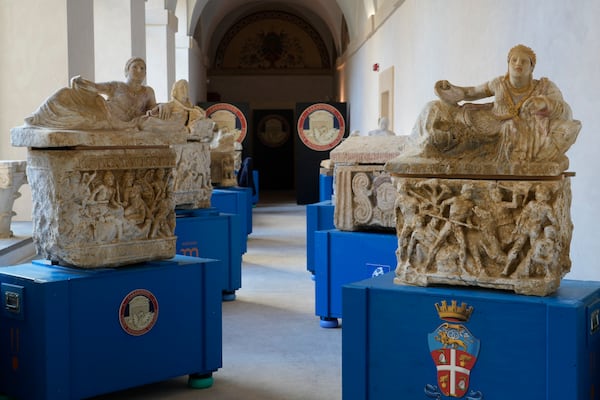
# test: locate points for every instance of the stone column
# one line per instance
(119, 34)
(161, 26)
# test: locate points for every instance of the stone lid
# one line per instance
(408, 165)
(29, 136)
(368, 149)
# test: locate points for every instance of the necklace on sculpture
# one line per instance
(519, 90)
(522, 93)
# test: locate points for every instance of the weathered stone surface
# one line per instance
(103, 208)
(192, 182)
(223, 159)
(102, 172)
(363, 192)
(12, 177)
(40, 137)
(483, 196)
(365, 198)
(509, 234)
(368, 149)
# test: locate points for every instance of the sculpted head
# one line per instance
(521, 61)
(180, 91)
(525, 50)
(135, 66)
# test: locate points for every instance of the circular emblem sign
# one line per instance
(321, 127)
(229, 118)
(273, 130)
(138, 312)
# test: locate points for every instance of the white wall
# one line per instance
(466, 42)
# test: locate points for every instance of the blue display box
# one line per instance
(71, 333)
(325, 187)
(210, 234)
(342, 257)
(241, 206)
(237, 202)
(403, 342)
(319, 217)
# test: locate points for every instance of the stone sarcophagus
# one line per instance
(223, 156)
(101, 165)
(192, 179)
(100, 207)
(364, 195)
(483, 193)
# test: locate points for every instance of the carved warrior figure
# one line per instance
(464, 220)
(528, 120)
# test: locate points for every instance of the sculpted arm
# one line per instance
(453, 94)
(107, 88)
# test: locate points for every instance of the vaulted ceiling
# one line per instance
(210, 20)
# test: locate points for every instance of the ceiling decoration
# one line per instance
(271, 41)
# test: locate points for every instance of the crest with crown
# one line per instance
(452, 312)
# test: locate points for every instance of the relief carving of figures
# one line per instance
(497, 233)
(117, 205)
(192, 180)
(223, 153)
(527, 122)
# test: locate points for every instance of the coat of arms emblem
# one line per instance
(454, 350)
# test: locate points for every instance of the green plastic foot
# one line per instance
(200, 381)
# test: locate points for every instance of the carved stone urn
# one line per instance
(101, 198)
(364, 193)
(12, 177)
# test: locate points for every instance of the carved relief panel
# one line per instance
(503, 234)
(365, 198)
(104, 208)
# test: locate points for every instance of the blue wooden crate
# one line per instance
(71, 333)
(404, 342)
(211, 234)
(319, 216)
(343, 257)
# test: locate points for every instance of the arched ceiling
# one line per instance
(210, 19)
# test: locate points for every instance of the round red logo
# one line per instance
(321, 127)
(229, 118)
(138, 312)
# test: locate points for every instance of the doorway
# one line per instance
(273, 148)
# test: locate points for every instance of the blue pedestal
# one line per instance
(210, 234)
(325, 187)
(344, 257)
(511, 347)
(235, 200)
(319, 217)
(70, 333)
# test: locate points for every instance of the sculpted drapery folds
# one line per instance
(528, 120)
(483, 193)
